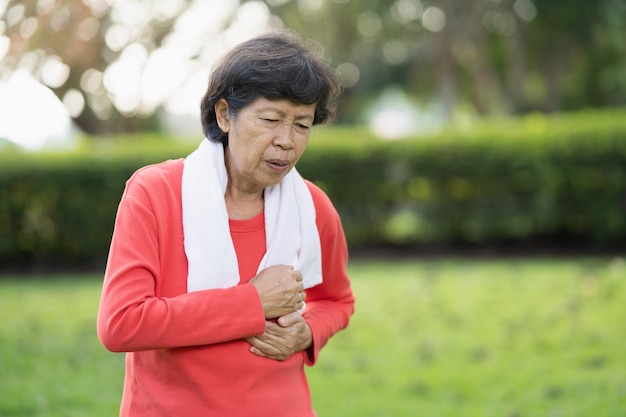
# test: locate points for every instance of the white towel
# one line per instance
(291, 233)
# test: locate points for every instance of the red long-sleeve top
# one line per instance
(186, 351)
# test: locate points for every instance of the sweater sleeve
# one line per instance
(330, 304)
(134, 314)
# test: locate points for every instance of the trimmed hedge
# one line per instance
(58, 209)
(531, 180)
(538, 180)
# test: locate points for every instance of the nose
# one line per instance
(284, 136)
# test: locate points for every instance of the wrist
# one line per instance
(307, 341)
(309, 350)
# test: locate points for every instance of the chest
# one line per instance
(249, 240)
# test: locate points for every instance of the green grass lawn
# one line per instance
(509, 338)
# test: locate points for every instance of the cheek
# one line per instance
(252, 154)
(301, 146)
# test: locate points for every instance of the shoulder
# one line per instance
(156, 178)
(320, 199)
(169, 171)
(163, 170)
(329, 225)
(327, 217)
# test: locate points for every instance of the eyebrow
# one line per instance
(283, 114)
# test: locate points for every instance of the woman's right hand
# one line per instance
(280, 289)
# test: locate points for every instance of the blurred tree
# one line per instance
(500, 56)
(612, 66)
(493, 56)
(516, 71)
(68, 44)
(561, 39)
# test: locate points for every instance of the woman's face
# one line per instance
(265, 140)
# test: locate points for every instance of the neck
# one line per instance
(241, 206)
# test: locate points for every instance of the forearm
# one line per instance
(133, 322)
(145, 304)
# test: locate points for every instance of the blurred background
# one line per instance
(409, 67)
(480, 123)
(482, 140)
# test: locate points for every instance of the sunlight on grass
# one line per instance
(50, 359)
(466, 338)
(434, 338)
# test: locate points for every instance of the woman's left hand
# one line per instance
(280, 340)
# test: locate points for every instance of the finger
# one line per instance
(267, 350)
(300, 301)
(299, 276)
(289, 319)
(254, 342)
(272, 331)
(277, 357)
(260, 347)
(258, 352)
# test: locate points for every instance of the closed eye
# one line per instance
(302, 127)
(299, 127)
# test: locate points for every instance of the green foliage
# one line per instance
(536, 179)
(58, 208)
(479, 338)
(51, 361)
(448, 338)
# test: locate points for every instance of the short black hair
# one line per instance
(275, 65)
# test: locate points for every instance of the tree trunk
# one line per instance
(444, 63)
(517, 66)
(485, 92)
(555, 70)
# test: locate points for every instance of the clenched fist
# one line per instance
(281, 290)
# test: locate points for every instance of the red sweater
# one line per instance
(186, 353)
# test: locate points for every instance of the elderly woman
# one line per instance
(227, 270)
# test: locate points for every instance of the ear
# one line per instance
(221, 114)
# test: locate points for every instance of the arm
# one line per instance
(144, 304)
(328, 305)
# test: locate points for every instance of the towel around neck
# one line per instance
(291, 233)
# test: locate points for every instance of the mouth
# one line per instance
(278, 165)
